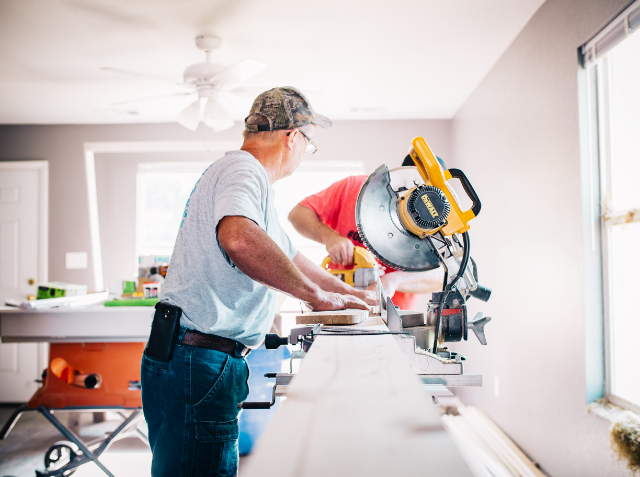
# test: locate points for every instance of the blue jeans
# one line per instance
(191, 408)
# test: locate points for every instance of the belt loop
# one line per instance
(181, 333)
(239, 350)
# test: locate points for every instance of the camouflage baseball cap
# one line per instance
(284, 108)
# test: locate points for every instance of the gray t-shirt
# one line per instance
(215, 296)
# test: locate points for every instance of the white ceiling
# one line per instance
(368, 59)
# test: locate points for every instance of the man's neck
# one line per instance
(270, 157)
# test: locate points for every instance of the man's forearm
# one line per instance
(418, 282)
(254, 253)
(308, 224)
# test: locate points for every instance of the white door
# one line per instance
(21, 268)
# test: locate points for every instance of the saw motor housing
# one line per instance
(441, 211)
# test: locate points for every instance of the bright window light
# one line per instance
(162, 192)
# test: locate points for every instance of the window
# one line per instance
(163, 190)
(612, 62)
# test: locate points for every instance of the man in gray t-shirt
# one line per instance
(230, 257)
(217, 297)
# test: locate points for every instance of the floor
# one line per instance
(22, 452)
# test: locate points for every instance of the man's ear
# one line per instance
(290, 139)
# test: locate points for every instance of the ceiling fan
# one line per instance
(207, 80)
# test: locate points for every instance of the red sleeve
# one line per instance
(327, 203)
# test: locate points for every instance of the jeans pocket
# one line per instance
(153, 363)
(216, 452)
(214, 388)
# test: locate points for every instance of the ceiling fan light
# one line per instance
(190, 116)
(216, 116)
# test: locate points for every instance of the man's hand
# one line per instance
(389, 284)
(309, 225)
(340, 249)
(329, 282)
(328, 301)
(369, 296)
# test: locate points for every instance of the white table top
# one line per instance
(73, 325)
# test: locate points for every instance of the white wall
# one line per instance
(374, 142)
(517, 139)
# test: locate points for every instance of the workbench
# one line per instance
(96, 323)
(356, 408)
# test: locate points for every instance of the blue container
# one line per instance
(254, 421)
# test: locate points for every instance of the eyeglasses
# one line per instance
(312, 147)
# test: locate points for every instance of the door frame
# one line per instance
(42, 167)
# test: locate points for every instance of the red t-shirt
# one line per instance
(336, 208)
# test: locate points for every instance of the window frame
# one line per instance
(599, 75)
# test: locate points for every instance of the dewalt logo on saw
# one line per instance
(430, 207)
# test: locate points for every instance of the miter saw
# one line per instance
(410, 219)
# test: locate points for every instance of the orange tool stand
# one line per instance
(118, 367)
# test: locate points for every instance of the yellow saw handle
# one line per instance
(362, 258)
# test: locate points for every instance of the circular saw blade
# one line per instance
(380, 227)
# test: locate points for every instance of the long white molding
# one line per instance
(119, 147)
(94, 224)
(160, 146)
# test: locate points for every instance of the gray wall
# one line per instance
(374, 142)
(517, 138)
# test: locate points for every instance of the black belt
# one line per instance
(217, 343)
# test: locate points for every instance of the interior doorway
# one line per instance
(23, 264)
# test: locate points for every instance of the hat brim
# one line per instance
(321, 121)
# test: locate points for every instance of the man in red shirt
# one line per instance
(329, 217)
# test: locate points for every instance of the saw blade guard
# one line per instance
(381, 229)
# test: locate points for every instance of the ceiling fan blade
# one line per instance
(253, 91)
(147, 98)
(246, 91)
(237, 73)
(216, 116)
(143, 75)
(190, 116)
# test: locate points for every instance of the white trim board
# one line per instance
(119, 147)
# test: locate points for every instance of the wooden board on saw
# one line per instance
(336, 317)
(356, 408)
